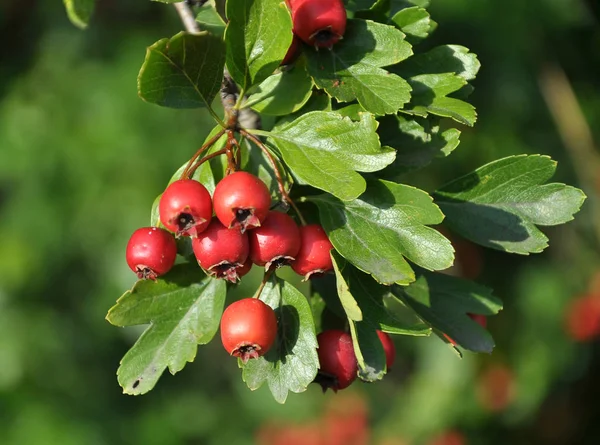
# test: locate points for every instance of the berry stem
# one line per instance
(206, 158)
(233, 161)
(186, 172)
(282, 190)
(266, 277)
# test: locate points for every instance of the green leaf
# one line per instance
(352, 69)
(258, 36)
(417, 141)
(368, 350)
(319, 101)
(292, 362)
(282, 93)
(80, 11)
(415, 22)
(184, 71)
(500, 204)
(442, 59)
(209, 19)
(183, 309)
(443, 301)
(325, 150)
(358, 5)
(387, 224)
(430, 96)
(349, 304)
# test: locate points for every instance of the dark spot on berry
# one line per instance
(324, 35)
(185, 221)
(242, 214)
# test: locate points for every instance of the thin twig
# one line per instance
(282, 190)
(206, 146)
(187, 17)
(207, 158)
(266, 277)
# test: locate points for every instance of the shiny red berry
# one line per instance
(313, 256)
(338, 365)
(185, 207)
(248, 328)
(221, 251)
(241, 271)
(151, 252)
(241, 200)
(292, 51)
(276, 242)
(318, 22)
(389, 348)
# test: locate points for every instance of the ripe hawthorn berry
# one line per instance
(318, 22)
(313, 256)
(338, 365)
(248, 328)
(241, 200)
(276, 242)
(221, 251)
(389, 348)
(151, 252)
(185, 207)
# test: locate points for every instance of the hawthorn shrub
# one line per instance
(325, 141)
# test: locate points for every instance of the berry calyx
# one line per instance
(276, 242)
(389, 348)
(338, 365)
(248, 328)
(321, 23)
(292, 51)
(220, 251)
(185, 207)
(151, 252)
(241, 200)
(313, 256)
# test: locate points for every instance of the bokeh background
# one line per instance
(82, 159)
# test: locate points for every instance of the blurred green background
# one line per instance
(82, 159)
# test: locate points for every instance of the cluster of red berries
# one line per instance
(320, 23)
(338, 364)
(243, 232)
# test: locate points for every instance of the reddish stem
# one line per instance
(186, 171)
(282, 190)
(206, 158)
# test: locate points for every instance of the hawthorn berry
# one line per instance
(151, 252)
(389, 348)
(276, 241)
(318, 22)
(248, 328)
(338, 366)
(241, 200)
(241, 271)
(185, 207)
(221, 251)
(313, 256)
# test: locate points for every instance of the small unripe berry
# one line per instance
(221, 251)
(276, 242)
(248, 328)
(151, 252)
(185, 207)
(338, 365)
(389, 348)
(318, 22)
(313, 256)
(241, 200)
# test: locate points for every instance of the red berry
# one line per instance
(276, 241)
(245, 268)
(221, 251)
(480, 319)
(318, 22)
(389, 348)
(151, 252)
(248, 328)
(338, 366)
(313, 257)
(241, 200)
(185, 207)
(292, 51)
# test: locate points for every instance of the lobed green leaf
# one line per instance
(182, 308)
